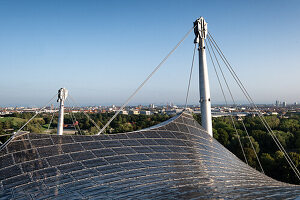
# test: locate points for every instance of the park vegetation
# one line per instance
(287, 130)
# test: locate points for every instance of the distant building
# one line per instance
(134, 112)
(284, 104)
(124, 112)
(145, 112)
(277, 103)
(273, 113)
(173, 111)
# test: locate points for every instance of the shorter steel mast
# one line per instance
(62, 95)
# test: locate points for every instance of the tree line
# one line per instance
(273, 162)
(286, 129)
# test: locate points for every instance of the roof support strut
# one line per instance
(62, 95)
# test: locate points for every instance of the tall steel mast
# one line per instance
(62, 95)
(205, 103)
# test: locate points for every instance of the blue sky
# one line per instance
(102, 50)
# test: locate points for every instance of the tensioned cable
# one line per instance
(17, 132)
(238, 136)
(40, 125)
(257, 110)
(253, 147)
(191, 72)
(51, 120)
(70, 110)
(250, 100)
(3, 135)
(74, 121)
(38, 112)
(235, 105)
(74, 117)
(143, 83)
(89, 118)
(77, 124)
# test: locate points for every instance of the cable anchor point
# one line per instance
(200, 29)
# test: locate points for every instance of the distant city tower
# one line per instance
(284, 104)
(62, 95)
(205, 103)
(277, 103)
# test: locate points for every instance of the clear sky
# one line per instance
(102, 50)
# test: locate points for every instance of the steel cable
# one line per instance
(190, 78)
(233, 100)
(143, 83)
(250, 100)
(16, 134)
(238, 136)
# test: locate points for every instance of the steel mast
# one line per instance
(205, 103)
(62, 95)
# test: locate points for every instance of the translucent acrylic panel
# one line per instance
(131, 142)
(15, 181)
(118, 136)
(109, 169)
(180, 135)
(58, 160)
(78, 185)
(147, 142)
(62, 139)
(84, 155)
(137, 157)
(166, 134)
(50, 151)
(44, 173)
(172, 127)
(34, 165)
(18, 146)
(82, 138)
(92, 145)
(177, 142)
(157, 156)
(42, 142)
(10, 172)
(97, 192)
(86, 173)
(160, 149)
(98, 162)
(107, 179)
(132, 165)
(101, 137)
(135, 135)
(112, 143)
(162, 141)
(182, 128)
(57, 180)
(124, 150)
(104, 152)
(143, 149)
(70, 167)
(26, 155)
(67, 148)
(188, 121)
(116, 159)
(6, 160)
(38, 136)
(150, 134)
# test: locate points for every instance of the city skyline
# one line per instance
(101, 51)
